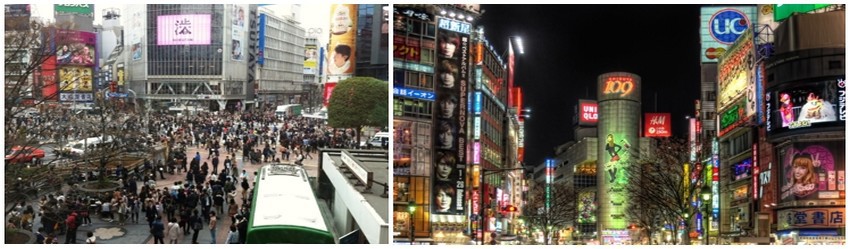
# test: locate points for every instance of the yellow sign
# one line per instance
(75, 79)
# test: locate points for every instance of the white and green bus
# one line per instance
(284, 209)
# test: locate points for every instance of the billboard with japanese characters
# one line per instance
(451, 116)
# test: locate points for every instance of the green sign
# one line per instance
(783, 11)
(74, 9)
(730, 116)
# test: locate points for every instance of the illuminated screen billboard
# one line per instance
(742, 169)
(183, 30)
(75, 48)
(311, 59)
(812, 171)
(806, 105)
(451, 115)
(657, 125)
(720, 27)
(587, 207)
(588, 112)
(735, 74)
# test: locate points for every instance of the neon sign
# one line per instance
(619, 85)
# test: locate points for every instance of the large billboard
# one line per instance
(74, 9)
(75, 79)
(17, 16)
(587, 207)
(657, 125)
(47, 78)
(735, 72)
(183, 30)
(720, 27)
(237, 30)
(311, 59)
(341, 48)
(806, 104)
(619, 124)
(261, 57)
(812, 171)
(451, 117)
(783, 11)
(75, 48)
(328, 91)
(137, 30)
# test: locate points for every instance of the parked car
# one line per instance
(23, 154)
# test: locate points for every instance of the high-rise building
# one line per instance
(281, 65)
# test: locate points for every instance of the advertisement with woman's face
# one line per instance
(813, 171)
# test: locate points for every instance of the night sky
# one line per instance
(568, 46)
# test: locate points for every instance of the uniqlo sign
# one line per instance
(656, 125)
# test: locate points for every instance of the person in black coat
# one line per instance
(242, 226)
(158, 231)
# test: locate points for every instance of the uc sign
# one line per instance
(619, 85)
(727, 25)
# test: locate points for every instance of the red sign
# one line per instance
(588, 111)
(329, 88)
(475, 202)
(408, 50)
(656, 125)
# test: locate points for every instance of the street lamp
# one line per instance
(411, 208)
(706, 196)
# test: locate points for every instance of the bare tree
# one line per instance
(561, 212)
(663, 184)
(28, 49)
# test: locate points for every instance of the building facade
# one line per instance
(281, 67)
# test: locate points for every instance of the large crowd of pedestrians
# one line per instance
(212, 194)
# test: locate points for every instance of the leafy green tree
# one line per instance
(357, 102)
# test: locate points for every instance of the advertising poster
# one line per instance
(657, 125)
(735, 73)
(137, 31)
(311, 59)
(812, 171)
(261, 57)
(237, 47)
(341, 54)
(74, 9)
(450, 119)
(49, 88)
(587, 207)
(619, 127)
(17, 17)
(120, 74)
(75, 48)
(329, 89)
(720, 27)
(75, 79)
(183, 30)
(802, 105)
(742, 169)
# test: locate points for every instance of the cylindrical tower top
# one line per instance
(619, 85)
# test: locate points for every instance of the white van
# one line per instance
(378, 140)
(79, 147)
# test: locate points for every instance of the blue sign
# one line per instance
(262, 44)
(727, 25)
(413, 93)
(116, 95)
(476, 106)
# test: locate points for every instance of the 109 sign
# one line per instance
(727, 25)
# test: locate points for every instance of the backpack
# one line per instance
(197, 225)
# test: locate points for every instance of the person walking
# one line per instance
(212, 227)
(158, 231)
(71, 226)
(232, 236)
(173, 231)
(197, 225)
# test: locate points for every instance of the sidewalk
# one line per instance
(139, 233)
